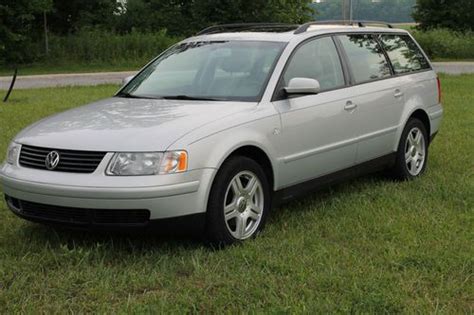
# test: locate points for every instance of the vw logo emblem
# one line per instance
(52, 160)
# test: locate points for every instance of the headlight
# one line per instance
(129, 164)
(147, 163)
(12, 153)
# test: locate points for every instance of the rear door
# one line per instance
(319, 132)
(377, 94)
(415, 78)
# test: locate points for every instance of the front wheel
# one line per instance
(239, 202)
(412, 154)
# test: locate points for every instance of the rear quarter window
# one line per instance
(404, 54)
(366, 58)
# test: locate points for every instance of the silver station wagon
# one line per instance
(225, 125)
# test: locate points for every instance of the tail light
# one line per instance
(439, 90)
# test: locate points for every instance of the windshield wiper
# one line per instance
(189, 98)
(128, 95)
(169, 97)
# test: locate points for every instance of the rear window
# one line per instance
(366, 58)
(404, 53)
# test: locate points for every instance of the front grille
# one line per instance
(69, 160)
(80, 216)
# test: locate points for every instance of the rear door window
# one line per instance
(404, 53)
(366, 58)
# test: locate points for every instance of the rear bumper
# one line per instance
(436, 116)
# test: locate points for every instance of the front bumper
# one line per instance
(108, 220)
(164, 196)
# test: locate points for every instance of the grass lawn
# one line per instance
(405, 26)
(369, 245)
(39, 68)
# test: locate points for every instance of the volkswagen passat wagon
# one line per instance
(223, 125)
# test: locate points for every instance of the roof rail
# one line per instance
(303, 28)
(246, 27)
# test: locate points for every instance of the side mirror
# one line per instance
(303, 86)
(127, 79)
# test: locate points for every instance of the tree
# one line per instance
(453, 14)
(21, 21)
(154, 15)
(73, 15)
(20, 25)
(225, 11)
(187, 17)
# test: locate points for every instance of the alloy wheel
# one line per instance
(243, 205)
(415, 151)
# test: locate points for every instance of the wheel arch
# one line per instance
(423, 116)
(420, 114)
(258, 155)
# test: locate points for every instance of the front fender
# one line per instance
(210, 151)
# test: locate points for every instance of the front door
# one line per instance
(319, 132)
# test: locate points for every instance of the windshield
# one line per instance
(217, 70)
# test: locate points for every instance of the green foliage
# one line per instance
(188, 17)
(21, 23)
(398, 11)
(73, 15)
(85, 31)
(19, 20)
(225, 11)
(369, 246)
(446, 44)
(95, 47)
(151, 15)
(453, 14)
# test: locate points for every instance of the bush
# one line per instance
(104, 47)
(95, 47)
(456, 15)
(132, 50)
(446, 44)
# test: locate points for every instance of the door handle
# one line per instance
(398, 93)
(350, 106)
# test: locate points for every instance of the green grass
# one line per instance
(452, 60)
(405, 26)
(70, 67)
(368, 245)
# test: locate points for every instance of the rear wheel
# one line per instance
(412, 154)
(239, 202)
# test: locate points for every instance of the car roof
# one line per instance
(313, 30)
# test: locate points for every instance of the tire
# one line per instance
(412, 153)
(239, 202)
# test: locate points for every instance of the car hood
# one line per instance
(122, 124)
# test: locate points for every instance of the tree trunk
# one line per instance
(346, 10)
(46, 43)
